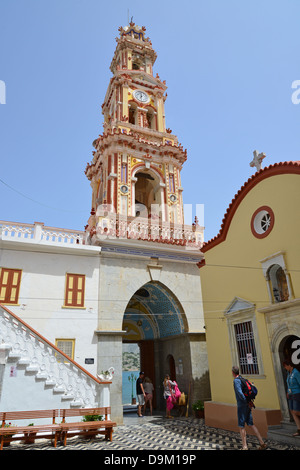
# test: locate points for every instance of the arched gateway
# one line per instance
(152, 298)
(154, 319)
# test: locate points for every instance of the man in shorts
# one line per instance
(140, 393)
(244, 412)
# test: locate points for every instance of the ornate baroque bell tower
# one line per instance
(135, 171)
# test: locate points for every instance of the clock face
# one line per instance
(141, 96)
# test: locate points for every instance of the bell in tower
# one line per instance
(135, 172)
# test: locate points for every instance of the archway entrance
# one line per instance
(154, 321)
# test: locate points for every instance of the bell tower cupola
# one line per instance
(135, 172)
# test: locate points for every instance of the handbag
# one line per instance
(182, 399)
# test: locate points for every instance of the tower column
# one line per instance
(125, 112)
(133, 181)
(160, 112)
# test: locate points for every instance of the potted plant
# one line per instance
(7, 437)
(30, 435)
(92, 418)
(198, 408)
(88, 433)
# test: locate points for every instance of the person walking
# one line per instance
(293, 393)
(148, 388)
(168, 395)
(244, 412)
(140, 393)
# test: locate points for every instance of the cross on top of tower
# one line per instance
(133, 31)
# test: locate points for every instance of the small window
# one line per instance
(262, 222)
(278, 278)
(278, 283)
(75, 285)
(67, 347)
(246, 348)
(10, 280)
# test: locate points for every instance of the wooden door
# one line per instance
(148, 363)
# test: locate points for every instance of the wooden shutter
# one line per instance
(10, 280)
(75, 285)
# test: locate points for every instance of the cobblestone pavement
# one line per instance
(157, 433)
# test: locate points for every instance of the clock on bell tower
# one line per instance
(136, 166)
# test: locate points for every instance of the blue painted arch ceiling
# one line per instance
(155, 311)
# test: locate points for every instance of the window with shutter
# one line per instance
(10, 280)
(246, 348)
(66, 346)
(75, 285)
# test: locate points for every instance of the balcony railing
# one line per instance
(147, 229)
(38, 232)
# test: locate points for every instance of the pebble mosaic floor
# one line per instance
(159, 434)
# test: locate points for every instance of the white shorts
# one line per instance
(141, 399)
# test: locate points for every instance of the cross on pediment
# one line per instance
(257, 159)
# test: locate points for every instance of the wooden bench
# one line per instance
(53, 430)
(27, 432)
(87, 429)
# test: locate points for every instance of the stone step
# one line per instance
(284, 433)
(15, 355)
(32, 368)
(67, 397)
(59, 389)
(50, 383)
(41, 376)
(24, 360)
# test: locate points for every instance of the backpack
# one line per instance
(248, 389)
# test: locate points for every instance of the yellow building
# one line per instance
(251, 293)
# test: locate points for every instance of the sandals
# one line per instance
(297, 433)
(262, 447)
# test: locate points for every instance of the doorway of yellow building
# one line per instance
(289, 350)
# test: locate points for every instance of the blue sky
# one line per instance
(229, 67)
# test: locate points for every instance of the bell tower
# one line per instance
(135, 172)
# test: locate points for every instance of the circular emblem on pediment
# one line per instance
(262, 222)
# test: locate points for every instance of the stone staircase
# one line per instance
(284, 433)
(24, 349)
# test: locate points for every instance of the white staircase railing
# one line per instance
(26, 347)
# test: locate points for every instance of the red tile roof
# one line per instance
(272, 170)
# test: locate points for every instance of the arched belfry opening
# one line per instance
(154, 321)
(148, 193)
